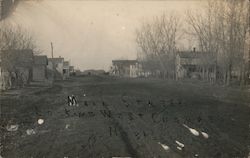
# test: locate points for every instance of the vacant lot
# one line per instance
(121, 117)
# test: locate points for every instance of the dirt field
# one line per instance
(125, 118)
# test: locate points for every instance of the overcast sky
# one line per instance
(91, 33)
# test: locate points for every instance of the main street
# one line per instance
(125, 118)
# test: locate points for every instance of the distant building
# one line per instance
(16, 68)
(71, 71)
(65, 69)
(93, 72)
(78, 72)
(40, 68)
(195, 65)
(125, 68)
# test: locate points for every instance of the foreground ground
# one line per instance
(126, 118)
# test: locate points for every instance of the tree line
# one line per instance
(219, 28)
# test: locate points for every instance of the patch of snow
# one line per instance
(192, 130)
(165, 147)
(12, 128)
(30, 132)
(40, 121)
(196, 155)
(84, 95)
(205, 135)
(180, 144)
(179, 148)
(67, 126)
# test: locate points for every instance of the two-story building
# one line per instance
(192, 64)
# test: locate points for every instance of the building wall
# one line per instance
(39, 73)
(65, 73)
(5, 80)
(125, 69)
(25, 74)
(134, 70)
(193, 67)
(59, 68)
(180, 71)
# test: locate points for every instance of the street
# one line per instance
(118, 117)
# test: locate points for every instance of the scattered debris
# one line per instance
(192, 130)
(30, 132)
(180, 144)
(165, 147)
(12, 128)
(67, 126)
(84, 95)
(196, 155)
(40, 121)
(205, 135)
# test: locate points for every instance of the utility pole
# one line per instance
(53, 65)
(52, 50)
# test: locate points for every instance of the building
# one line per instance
(191, 64)
(66, 69)
(16, 68)
(94, 72)
(55, 67)
(39, 71)
(125, 68)
(71, 71)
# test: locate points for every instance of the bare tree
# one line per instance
(157, 43)
(221, 30)
(15, 37)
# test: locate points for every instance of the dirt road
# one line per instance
(125, 118)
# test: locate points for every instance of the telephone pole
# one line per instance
(53, 65)
(52, 50)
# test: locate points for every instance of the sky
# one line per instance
(90, 34)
